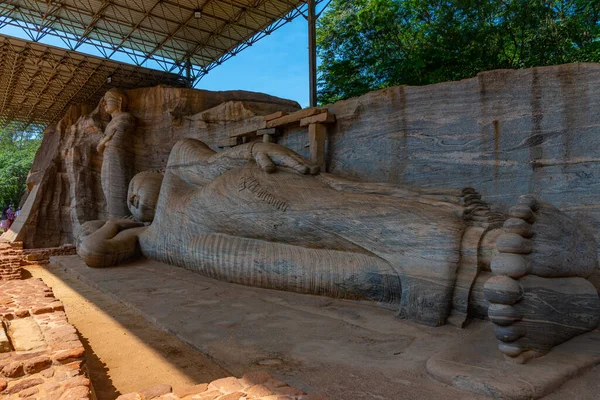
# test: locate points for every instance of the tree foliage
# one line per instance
(17, 150)
(370, 44)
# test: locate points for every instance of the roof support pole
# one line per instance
(312, 51)
(188, 73)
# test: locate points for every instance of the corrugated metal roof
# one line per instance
(163, 33)
(38, 82)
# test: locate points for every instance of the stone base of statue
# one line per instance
(476, 366)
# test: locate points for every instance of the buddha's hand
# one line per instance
(102, 145)
(108, 135)
(123, 223)
(269, 156)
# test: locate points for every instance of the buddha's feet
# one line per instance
(540, 296)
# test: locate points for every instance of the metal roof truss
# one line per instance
(38, 82)
(186, 37)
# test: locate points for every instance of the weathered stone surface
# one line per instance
(66, 356)
(474, 366)
(259, 391)
(227, 385)
(42, 310)
(209, 395)
(547, 316)
(398, 244)
(28, 392)
(233, 396)
(505, 132)
(288, 391)
(191, 390)
(13, 370)
(264, 216)
(65, 185)
(80, 381)
(76, 393)
(274, 383)
(229, 388)
(156, 391)
(36, 364)
(4, 342)
(255, 378)
(540, 295)
(24, 384)
(26, 334)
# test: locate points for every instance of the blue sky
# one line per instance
(277, 64)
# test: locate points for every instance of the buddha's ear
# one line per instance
(120, 103)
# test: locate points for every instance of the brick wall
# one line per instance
(256, 385)
(11, 255)
(41, 355)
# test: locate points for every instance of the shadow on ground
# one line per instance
(98, 372)
(124, 351)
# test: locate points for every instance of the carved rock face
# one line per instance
(115, 100)
(143, 193)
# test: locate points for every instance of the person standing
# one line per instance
(10, 215)
(3, 222)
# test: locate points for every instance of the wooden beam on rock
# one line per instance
(245, 127)
(317, 135)
(295, 117)
(275, 115)
(323, 118)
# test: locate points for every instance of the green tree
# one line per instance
(371, 44)
(17, 150)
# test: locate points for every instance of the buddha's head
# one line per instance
(115, 100)
(142, 196)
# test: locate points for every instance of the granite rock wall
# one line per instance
(504, 132)
(64, 186)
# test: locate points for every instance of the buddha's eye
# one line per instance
(134, 200)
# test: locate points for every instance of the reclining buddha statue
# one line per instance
(259, 214)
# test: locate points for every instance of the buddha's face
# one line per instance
(142, 196)
(112, 105)
(114, 101)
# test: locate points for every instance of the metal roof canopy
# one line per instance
(187, 37)
(39, 82)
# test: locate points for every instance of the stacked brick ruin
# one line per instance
(42, 256)
(41, 355)
(255, 385)
(13, 257)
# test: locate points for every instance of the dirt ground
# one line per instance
(125, 352)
